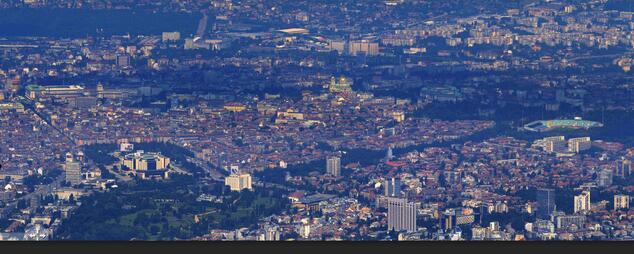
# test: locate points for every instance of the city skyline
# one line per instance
(280, 120)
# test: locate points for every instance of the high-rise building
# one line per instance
(304, 230)
(555, 144)
(577, 145)
(392, 187)
(270, 234)
(35, 201)
(238, 182)
(123, 60)
(12, 85)
(333, 166)
(80, 156)
(569, 8)
(545, 202)
(363, 47)
(494, 226)
(582, 202)
(450, 219)
(605, 178)
(72, 170)
(390, 153)
(621, 202)
(100, 90)
(623, 168)
(401, 214)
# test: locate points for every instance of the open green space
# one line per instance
(166, 210)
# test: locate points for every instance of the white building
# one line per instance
(72, 170)
(577, 145)
(238, 182)
(555, 144)
(582, 202)
(333, 166)
(401, 214)
(621, 202)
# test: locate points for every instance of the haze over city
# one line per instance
(316, 120)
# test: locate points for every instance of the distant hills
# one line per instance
(620, 5)
(82, 22)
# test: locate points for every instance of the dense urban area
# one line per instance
(310, 120)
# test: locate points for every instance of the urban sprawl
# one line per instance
(318, 120)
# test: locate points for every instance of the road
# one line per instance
(29, 106)
(593, 57)
(215, 173)
(42, 190)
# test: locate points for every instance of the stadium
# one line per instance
(548, 125)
